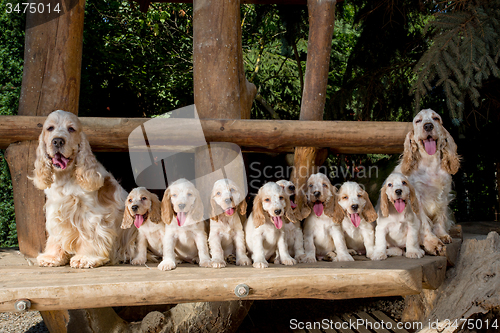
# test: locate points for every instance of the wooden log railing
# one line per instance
(348, 137)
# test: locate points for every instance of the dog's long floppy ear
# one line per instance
(411, 155)
(42, 177)
(369, 213)
(303, 207)
(197, 214)
(128, 219)
(167, 211)
(86, 172)
(259, 216)
(289, 212)
(242, 207)
(332, 207)
(414, 200)
(214, 215)
(155, 213)
(450, 161)
(384, 201)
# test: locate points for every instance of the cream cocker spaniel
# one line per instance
(226, 231)
(398, 226)
(142, 209)
(264, 232)
(85, 203)
(323, 233)
(185, 236)
(429, 159)
(359, 215)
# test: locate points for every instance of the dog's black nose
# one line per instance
(354, 207)
(277, 211)
(135, 207)
(228, 200)
(398, 192)
(291, 188)
(182, 206)
(428, 127)
(317, 194)
(58, 142)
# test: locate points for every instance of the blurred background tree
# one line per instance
(389, 59)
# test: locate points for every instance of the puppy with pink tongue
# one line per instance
(359, 216)
(264, 232)
(323, 233)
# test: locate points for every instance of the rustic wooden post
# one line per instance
(321, 24)
(51, 81)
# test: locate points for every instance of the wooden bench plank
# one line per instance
(54, 288)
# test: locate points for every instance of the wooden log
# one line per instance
(321, 24)
(55, 288)
(111, 134)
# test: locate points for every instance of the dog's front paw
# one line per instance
(45, 260)
(138, 261)
(379, 255)
(300, 258)
(217, 263)
(330, 256)
(80, 261)
(446, 239)
(206, 263)
(394, 252)
(288, 261)
(344, 257)
(244, 261)
(166, 265)
(309, 259)
(352, 252)
(415, 253)
(260, 264)
(434, 246)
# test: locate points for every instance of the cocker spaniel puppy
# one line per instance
(84, 204)
(359, 215)
(185, 237)
(142, 209)
(264, 232)
(398, 226)
(323, 233)
(429, 159)
(226, 231)
(293, 232)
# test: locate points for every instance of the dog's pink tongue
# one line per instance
(230, 211)
(139, 220)
(430, 146)
(278, 222)
(60, 161)
(355, 219)
(400, 205)
(181, 218)
(293, 204)
(318, 208)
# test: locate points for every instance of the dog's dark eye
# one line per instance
(324, 185)
(218, 193)
(418, 121)
(404, 183)
(50, 129)
(359, 195)
(129, 200)
(345, 197)
(389, 185)
(174, 195)
(436, 118)
(190, 194)
(310, 185)
(71, 129)
(281, 198)
(144, 198)
(267, 200)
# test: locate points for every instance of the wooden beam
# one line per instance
(111, 134)
(66, 288)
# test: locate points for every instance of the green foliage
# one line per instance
(11, 69)
(464, 53)
(134, 63)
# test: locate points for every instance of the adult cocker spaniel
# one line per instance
(85, 203)
(429, 159)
